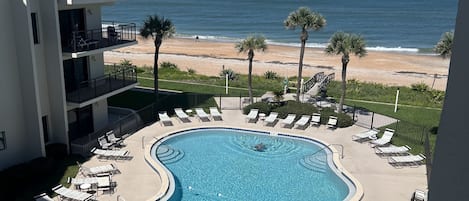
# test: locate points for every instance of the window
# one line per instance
(3, 142)
(34, 24)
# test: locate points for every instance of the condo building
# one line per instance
(53, 79)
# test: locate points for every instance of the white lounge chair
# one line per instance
(252, 115)
(104, 143)
(410, 160)
(289, 120)
(93, 171)
(364, 136)
(215, 113)
(385, 139)
(72, 194)
(392, 150)
(99, 182)
(419, 195)
(271, 118)
(111, 137)
(301, 123)
(316, 119)
(164, 118)
(43, 197)
(332, 123)
(201, 114)
(181, 115)
(111, 154)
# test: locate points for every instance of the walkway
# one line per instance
(380, 181)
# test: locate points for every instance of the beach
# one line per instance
(208, 57)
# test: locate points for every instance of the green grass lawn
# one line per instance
(24, 181)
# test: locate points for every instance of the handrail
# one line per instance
(342, 150)
(110, 33)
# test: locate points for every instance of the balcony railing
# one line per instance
(87, 90)
(110, 34)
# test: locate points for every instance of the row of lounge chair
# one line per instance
(109, 140)
(184, 117)
(66, 194)
(314, 119)
(398, 156)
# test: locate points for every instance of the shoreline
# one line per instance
(208, 57)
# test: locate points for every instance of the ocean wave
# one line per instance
(309, 45)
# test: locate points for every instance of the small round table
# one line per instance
(262, 116)
(85, 186)
(189, 112)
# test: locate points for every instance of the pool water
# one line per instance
(223, 164)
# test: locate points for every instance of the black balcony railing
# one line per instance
(110, 34)
(87, 90)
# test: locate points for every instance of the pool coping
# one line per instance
(166, 176)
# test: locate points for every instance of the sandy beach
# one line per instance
(208, 57)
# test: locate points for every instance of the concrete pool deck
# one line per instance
(379, 180)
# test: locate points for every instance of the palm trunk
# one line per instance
(251, 56)
(345, 61)
(300, 69)
(155, 76)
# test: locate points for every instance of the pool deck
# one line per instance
(379, 180)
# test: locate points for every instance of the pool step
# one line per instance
(167, 154)
(317, 163)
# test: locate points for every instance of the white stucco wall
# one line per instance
(100, 115)
(19, 103)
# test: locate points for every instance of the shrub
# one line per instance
(191, 71)
(293, 107)
(231, 74)
(422, 87)
(139, 70)
(437, 96)
(126, 63)
(343, 120)
(262, 106)
(271, 75)
(168, 65)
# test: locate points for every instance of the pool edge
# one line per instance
(166, 176)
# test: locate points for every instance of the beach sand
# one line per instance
(208, 57)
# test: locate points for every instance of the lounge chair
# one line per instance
(93, 171)
(215, 113)
(164, 118)
(385, 139)
(366, 135)
(181, 115)
(303, 121)
(410, 160)
(289, 120)
(99, 182)
(111, 154)
(316, 119)
(66, 193)
(271, 118)
(111, 137)
(392, 150)
(419, 195)
(104, 143)
(252, 115)
(201, 114)
(42, 197)
(332, 123)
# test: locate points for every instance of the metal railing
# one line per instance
(87, 90)
(110, 34)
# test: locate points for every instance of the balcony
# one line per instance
(89, 91)
(112, 35)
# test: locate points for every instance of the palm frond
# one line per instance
(305, 19)
(444, 46)
(345, 44)
(156, 26)
(253, 42)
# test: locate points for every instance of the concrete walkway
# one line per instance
(380, 181)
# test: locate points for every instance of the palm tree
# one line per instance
(443, 47)
(305, 19)
(345, 44)
(249, 45)
(158, 28)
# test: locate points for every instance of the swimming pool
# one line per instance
(235, 164)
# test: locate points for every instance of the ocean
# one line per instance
(386, 25)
